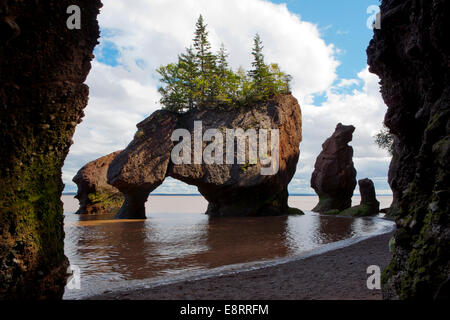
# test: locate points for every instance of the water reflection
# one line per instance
(234, 240)
(107, 249)
(333, 229)
(169, 244)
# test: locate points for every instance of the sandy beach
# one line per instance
(335, 275)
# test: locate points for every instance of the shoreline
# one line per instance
(338, 274)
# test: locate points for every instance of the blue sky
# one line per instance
(342, 23)
(322, 43)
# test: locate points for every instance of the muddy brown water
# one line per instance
(178, 240)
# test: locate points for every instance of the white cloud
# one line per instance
(363, 108)
(157, 31)
(348, 83)
(150, 33)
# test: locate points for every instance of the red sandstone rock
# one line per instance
(96, 196)
(142, 166)
(231, 189)
(334, 177)
(369, 204)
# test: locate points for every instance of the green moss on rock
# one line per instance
(106, 202)
(362, 210)
(410, 54)
(42, 97)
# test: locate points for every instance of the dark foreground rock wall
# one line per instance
(43, 66)
(411, 54)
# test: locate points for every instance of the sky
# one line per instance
(321, 43)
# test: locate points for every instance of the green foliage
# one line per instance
(260, 73)
(201, 79)
(107, 202)
(385, 140)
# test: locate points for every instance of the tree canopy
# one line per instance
(202, 79)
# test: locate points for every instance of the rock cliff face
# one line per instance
(231, 189)
(334, 176)
(96, 196)
(43, 66)
(369, 206)
(411, 54)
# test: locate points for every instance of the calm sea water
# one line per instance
(179, 240)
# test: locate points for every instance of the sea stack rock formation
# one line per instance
(369, 204)
(334, 176)
(43, 66)
(142, 166)
(96, 196)
(411, 55)
(231, 189)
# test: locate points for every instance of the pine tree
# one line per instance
(259, 67)
(206, 63)
(188, 74)
(226, 81)
(260, 74)
(222, 63)
(201, 79)
(202, 46)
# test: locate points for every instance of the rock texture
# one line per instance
(231, 190)
(334, 176)
(369, 206)
(142, 166)
(43, 66)
(411, 54)
(95, 195)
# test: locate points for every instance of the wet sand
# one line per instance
(335, 275)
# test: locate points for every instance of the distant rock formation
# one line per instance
(369, 204)
(43, 67)
(231, 189)
(334, 177)
(95, 195)
(411, 54)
